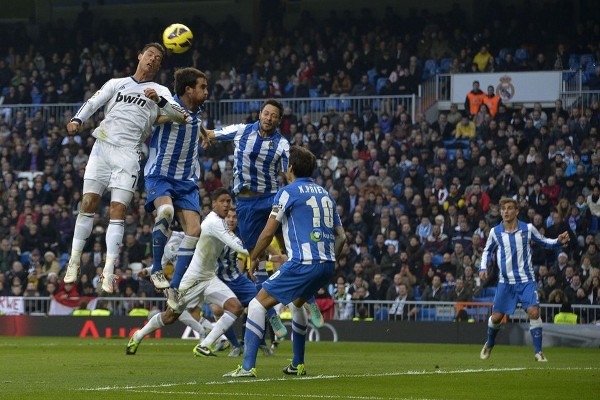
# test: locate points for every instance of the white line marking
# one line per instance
(304, 396)
(322, 377)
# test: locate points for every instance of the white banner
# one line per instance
(11, 305)
(67, 306)
(512, 87)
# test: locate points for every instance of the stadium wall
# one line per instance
(343, 331)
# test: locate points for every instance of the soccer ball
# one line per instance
(178, 38)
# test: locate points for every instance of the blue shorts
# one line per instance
(243, 288)
(184, 194)
(507, 297)
(294, 280)
(253, 214)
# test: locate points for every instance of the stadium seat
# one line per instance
(240, 107)
(63, 260)
(417, 293)
(345, 105)
(313, 92)
(521, 55)
(574, 62)
(332, 103)
(586, 59)
(372, 74)
(445, 64)
(445, 313)
(381, 314)
(483, 299)
(437, 259)
(25, 256)
(503, 52)
(426, 314)
(317, 105)
(430, 68)
(380, 84)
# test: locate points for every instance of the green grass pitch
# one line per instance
(67, 368)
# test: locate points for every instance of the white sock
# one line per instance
(220, 327)
(206, 324)
(114, 238)
(83, 229)
(155, 323)
(189, 320)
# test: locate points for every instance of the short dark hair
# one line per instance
(156, 45)
(219, 192)
(273, 103)
(185, 77)
(303, 161)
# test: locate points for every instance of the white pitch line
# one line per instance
(323, 377)
(304, 396)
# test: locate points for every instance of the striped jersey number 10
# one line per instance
(326, 206)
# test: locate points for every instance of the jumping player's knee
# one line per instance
(123, 197)
(535, 323)
(169, 317)
(233, 306)
(165, 211)
(495, 322)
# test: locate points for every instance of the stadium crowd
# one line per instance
(417, 200)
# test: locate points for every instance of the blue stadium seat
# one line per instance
(437, 259)
(380, 84)
(317, 105)
(25, 256)
(332, 103)
(254, 105)
(521, 54)
(313, 92)
(376, 104)
(574, 62)
(372, 74)
(430, 68)
(445, 64)
(586, 59)
(426, 314)
(63, 260)
(381, 314)
(240, 107)
(484, 299)
(345, 105)
(417, 293)
(503, 52)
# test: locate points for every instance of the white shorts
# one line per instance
(111, 167)
(213, 291)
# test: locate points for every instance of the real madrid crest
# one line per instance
(505, 88)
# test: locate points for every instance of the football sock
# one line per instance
(492, 332)
(184, 257)
(255, 331)
(188, 320)
(535, 330)
(230, 335)
(114, 237)
(224, 323)
(206, 324)
(160, 231)
(83, 229)
(299, 324)
(155, 323)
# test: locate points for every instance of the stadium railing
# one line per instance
(438, 311)
(226, 112)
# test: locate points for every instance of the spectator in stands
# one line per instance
(434, 291)
(400, 310)
(474, 100)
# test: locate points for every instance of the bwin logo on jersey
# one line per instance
(130, 99)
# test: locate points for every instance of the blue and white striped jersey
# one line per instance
(174, 149)
(227, 269)
(309, 217)
(257, 160)
(513, 251)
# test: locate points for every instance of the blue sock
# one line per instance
(536, 336)
(230, 335)
(184, 257)
(271, 312)
(255, 331)
(159, 240)
(299, 324)
(491, 336)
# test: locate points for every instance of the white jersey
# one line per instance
(129, 114)
(214, 236)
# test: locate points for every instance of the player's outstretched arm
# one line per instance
(171, 110)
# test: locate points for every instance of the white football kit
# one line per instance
(200, 282)
(114, 160)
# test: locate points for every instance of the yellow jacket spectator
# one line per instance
(465, 129)
(82, 313)
(482, 58)
(139, 312)
(566, 316)
(100, 312)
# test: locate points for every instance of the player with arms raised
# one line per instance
(511, 239)
(171, 175)
(313, 235)
(132, 106)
